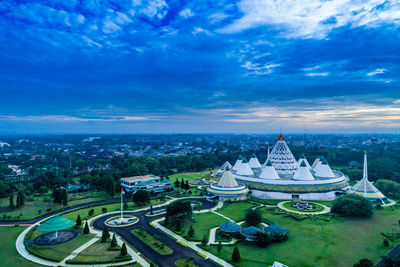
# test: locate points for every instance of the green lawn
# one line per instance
(202, 224)
(59, 252)
(156, 245)
(185, 263)
(44, 204)
(339, 242)
(190, 175)
(96, 253)
(9, 256)
(236, 210)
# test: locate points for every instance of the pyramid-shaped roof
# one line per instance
(323, 170)
(254, 163)
(237, 163)
(244, 168)
(303, 158)
(282, 158)
(227, 180)
(269, 172)
(303, 173)
(364, 187)
(226, 165)
(315, 163)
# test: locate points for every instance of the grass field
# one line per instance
(190, 176)
(202, 224)
(59, 252)
(237, 210)
(44, 204)
(339, 242)
(96, 253)
(9, 256)
(156, 245)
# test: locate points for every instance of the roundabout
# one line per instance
(50, 239)
(118, 221)
(316, 210)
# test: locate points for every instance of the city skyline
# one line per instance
(199, 67)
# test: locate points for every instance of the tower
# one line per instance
(282, 158)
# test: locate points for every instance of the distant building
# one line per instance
(354, 164)
(149, 183)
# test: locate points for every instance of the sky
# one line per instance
(247, 66)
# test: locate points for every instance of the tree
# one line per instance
(183, 184)
(352, 206)
(105, 234)
(109, 185)
(236, 255)
(253, 217)
(204, 240)
(114, 241)
(385, 242)
(178, 212)
(187, 186)
(219, 247)
(78, 222)
(20, 198)
(11, 205)
(262, 239)
(176, 183)
(389, 188)
(141, 197)
(191, 231)
(86, 229)
(64, 197)
(364, 263)
(123, 250)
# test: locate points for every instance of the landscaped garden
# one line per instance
(236, 210)
(152, 241)
(316, 207)
(342, 241)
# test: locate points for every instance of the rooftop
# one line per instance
(141, 178)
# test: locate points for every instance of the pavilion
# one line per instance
(230, 227)
(250, 233)
(227, 188)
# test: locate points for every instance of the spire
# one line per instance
(254, 163)
(365, 171)
(244, 168)
(303, 173)
(237, 163)
(269, 172)
(281, 138)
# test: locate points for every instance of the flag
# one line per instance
(123, 191)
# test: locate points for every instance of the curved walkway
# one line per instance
(324, 211)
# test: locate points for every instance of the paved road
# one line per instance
(180, 252)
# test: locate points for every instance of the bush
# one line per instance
(86, 229)
(191, 231)
(103, 209)
(236, 255)
(352, 206)
(262, 239)
(364, 263)
(114, 241)
(78, 222)
(123, 250)
(91, 212)
(385, 242)
(105, 234)
(253, 217)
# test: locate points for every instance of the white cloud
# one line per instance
(155, 8)
(321, 74)
(313, 18)
(260, 69)
(217, 17)
(186, 13)
(376, 72)
(198, 30)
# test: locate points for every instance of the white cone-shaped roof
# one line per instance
(303, 158)
(364, 187)
(303, 173)
(282, 158)
(237, 163)
(244, 169)
(323, 170)
(254, 163)
(315, 163)
(269, 172)
(227, 180)
(225, 165)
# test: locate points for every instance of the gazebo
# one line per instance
(250, 233)
(230, 227)
(55, 224)
(276, 231)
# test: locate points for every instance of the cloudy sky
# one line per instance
(199, 66)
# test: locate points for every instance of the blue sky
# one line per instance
(199, 66)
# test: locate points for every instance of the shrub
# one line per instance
(86, 229)
(364, 263)
(253, 217)
(123, 250)
(114, 241)
(191, 231)
(204, 240)
(78, 221)
(385, 242)
(236, 255)
(263, 239)
(352, 206)
(91, 212)
(105, 234)
(104, 209)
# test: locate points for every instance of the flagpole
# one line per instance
(121, 206)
